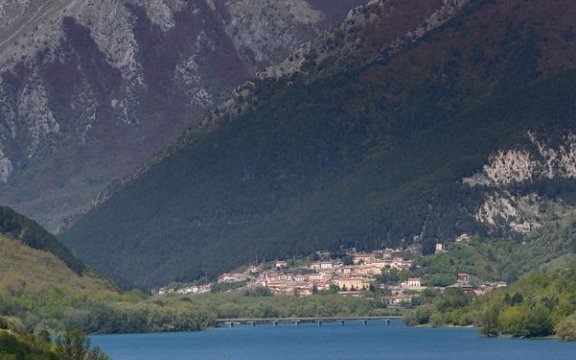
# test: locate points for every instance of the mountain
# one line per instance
(91, 89)
(461, 125)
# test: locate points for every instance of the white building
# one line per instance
(439, 248)
(363, 257)
(463, 237)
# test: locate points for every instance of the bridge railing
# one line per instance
(298, 320)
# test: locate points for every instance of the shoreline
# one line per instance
(500, 336)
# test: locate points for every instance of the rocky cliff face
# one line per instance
(538, 160)
(89, 89)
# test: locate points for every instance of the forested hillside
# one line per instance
(538, 305)
(371, 156)
(40, 293)
(30, 233)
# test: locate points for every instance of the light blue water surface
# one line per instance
(353, 341)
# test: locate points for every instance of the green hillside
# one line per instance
(36, 285)
(35, 236)
(40, 274)
(40, 293)
(370, 157)
(538, 305)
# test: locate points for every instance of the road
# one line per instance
(47, 9)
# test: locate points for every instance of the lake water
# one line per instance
(329, 342)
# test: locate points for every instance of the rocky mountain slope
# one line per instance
(90, 89)
(419, 144)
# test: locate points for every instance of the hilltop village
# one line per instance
(353, 274)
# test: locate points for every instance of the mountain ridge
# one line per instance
(89, 90)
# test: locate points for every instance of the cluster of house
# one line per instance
(282, 279)
(185, 290)
(356, 276)
(322, 275)
(403, 293)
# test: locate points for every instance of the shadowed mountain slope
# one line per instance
(370, 156)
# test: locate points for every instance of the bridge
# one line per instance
(299, 320)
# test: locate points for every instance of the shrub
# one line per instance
(74, 345)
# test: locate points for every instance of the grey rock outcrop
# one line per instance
(507, 168)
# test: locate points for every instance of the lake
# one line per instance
(329, 342)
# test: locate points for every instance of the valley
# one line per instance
(167, 164)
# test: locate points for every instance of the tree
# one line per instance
(74, 345)
(516, 299)
(512, 321)
(523, 321)
(347, 260)
(566, 329)
(257, 291)
(428, 245)
(539, 321)
(489, 321)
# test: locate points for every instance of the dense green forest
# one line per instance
(367, 158)
(538, 305)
